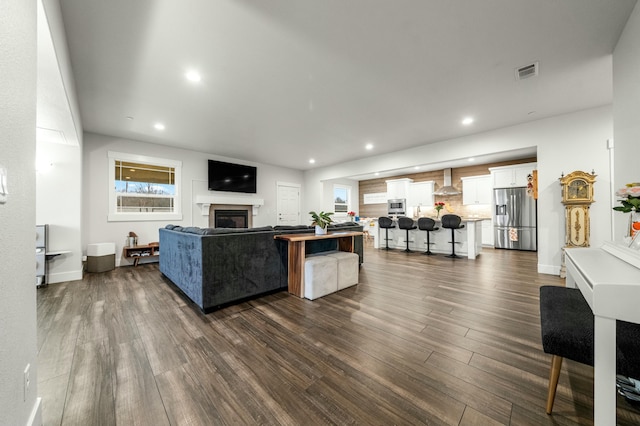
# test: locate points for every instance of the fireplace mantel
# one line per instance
(205, 201)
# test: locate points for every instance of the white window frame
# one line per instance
(115, 216)
(341, 215)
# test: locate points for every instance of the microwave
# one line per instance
(396, 206)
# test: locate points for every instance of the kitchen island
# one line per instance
(468, 239)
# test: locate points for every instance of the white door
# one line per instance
(288, 204)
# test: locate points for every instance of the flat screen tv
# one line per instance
(232, 177)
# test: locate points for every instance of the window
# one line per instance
(341, 199)
(143, 188)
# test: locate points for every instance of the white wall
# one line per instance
(194, 180)
(326, 204)
(58, 204)
(57, 190)
(564, 143)
(18, 338)
(626, 111)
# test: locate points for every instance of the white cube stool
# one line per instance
(348, 265)
(320, 276)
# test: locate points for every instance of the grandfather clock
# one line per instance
(577, 197)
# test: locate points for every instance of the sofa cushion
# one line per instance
(291, 227)
(218, 231)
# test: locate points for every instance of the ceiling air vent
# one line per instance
(527, 71)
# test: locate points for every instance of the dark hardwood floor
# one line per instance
(420, 340)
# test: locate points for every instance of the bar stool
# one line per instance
(452, 221)
(386, 223)
(407, 224)
(429, 225)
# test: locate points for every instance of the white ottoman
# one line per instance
(348, 265)
(320, 276)
(101, 257)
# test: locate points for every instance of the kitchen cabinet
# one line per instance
(476, 190)
(487, 232)
(398, 188)
(420, 194)
(512, 176)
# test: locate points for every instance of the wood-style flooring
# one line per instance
(420, 340)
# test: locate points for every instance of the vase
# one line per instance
(634, 223)
(437, 214)
(320, 230)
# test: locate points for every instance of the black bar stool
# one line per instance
(386, 223)
(452, 221)
(429, 225)
(407, 224)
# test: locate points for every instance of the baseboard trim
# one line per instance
(548, 269)
(60, 277)
(35, 419)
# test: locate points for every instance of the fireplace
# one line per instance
(231, 219)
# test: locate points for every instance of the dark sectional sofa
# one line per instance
(216, 267)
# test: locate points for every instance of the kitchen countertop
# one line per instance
(464, 219)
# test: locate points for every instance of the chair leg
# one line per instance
(386, 238)
(453, 244)
(554, 375)
(407, 241)
(428, 252)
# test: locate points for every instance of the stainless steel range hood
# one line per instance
(447, 189)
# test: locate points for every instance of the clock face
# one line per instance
(578, 190)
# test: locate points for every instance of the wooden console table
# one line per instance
(137, 252)
(296, 257)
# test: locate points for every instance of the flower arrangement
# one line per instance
(630, 199)
(439, 205)
(351, 215)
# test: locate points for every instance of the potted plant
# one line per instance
(321, 221)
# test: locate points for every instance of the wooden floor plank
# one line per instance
(420, 340)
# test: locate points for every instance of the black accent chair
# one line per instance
(452, 221)
(429, 225)
(566, 323)
(386, 223)
(407, 224)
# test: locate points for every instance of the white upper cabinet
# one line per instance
(398, 188)
(476, 190)
(512, 176)
(420, 194)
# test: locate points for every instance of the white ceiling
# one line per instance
(287, 80)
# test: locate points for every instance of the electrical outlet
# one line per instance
(27, 381)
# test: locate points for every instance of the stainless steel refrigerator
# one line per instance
(514, 219)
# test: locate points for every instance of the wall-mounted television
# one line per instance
(232, 177)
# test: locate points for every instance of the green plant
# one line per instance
(321, 219)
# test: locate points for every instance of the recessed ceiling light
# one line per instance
(158, 126)
(377, 173)
(128, 117)
(416, 168)
(312, 161)
(472, 159)
(193, 75)
(369, 146)
(467, 120)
